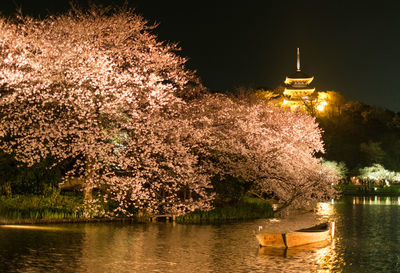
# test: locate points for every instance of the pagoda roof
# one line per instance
(299, 75)
(305, 87)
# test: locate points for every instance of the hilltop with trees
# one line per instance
(356, 136)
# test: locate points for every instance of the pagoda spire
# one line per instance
(298, 59)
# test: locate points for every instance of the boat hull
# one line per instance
(294, 239)
(271, 240)
(304, 238)
(292, 251)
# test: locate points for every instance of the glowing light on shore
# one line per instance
(325, 209)
(321, 106)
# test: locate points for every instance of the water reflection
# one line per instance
(43, 227)
(367, 240)
(376, 200)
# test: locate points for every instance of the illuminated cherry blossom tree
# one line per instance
(74, 85)
(273, 149)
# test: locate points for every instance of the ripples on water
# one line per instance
(367, 240)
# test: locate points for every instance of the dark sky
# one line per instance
(352, 47)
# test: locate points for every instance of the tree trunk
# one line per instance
(88, 186)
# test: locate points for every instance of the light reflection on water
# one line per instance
(376, 200)
(367, 240)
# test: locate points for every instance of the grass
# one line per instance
(34, 207)
(249, 208)
(59, 208)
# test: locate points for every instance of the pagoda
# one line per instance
(297, 88)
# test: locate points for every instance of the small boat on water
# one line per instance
(318, 233)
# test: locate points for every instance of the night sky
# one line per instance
(352, 47)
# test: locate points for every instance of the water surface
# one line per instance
(367, 240)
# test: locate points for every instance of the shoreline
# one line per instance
(247, 209)
(369, 190)
(50, 221)
(217, 216)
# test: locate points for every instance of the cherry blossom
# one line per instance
(272, 148)
(74, 86)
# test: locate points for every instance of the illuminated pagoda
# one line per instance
(297, 88)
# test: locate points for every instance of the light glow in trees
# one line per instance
(377, 172)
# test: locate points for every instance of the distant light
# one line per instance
(321, 106)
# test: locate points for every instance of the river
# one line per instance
(367, 239)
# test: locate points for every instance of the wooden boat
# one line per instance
(300, 237)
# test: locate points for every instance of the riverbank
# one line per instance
(247, 209)
(363, 190)
(57, 208)
(33, 209)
